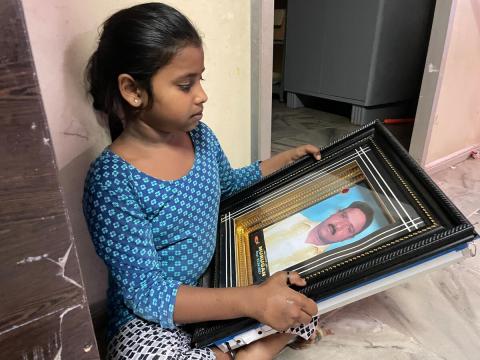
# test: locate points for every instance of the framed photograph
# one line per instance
(363, 210)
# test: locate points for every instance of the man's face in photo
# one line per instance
(340, 226)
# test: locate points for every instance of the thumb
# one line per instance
(293, 278)
(312, 150)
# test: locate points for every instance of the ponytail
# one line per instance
(105, 94)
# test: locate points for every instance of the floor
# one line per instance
(432, 317)
(319, 124)
(294, 127)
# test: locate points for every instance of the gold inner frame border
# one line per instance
(285, 205)
(301, 198)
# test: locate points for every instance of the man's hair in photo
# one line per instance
(366, 209)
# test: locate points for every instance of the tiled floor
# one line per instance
(434, 316)
(294, 127)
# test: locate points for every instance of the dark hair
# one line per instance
(137, 41)
(366, 209)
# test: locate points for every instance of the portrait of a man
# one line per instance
(342, 225)
(337, 221)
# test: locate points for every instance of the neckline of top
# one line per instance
(195, 159)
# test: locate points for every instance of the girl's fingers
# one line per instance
(305, 318)
(305, 304)
(293, 278)
(302, 303)
(310, 307)
(298, 316)
(310, 149)
(295, 307)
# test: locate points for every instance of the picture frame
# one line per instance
(362, 211)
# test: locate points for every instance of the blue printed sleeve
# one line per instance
(123, 239)
(233, 180)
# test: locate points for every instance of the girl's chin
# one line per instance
(190, 125)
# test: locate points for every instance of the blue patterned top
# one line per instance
(154, 235)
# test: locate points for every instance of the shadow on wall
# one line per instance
(78, 113)
(476, 13)
(94, 271)
(84, 133)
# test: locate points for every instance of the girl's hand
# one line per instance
(298, 152)
(273, 303)
(284, 158)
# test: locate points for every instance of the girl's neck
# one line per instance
(142, 147)
(139, 134)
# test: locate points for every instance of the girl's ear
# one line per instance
(129, 90)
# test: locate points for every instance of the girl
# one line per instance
(151, 198)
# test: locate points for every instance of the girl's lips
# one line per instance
(197, 116)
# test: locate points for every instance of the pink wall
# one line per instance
(456, 117)
(63, 34)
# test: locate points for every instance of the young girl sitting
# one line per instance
(151, 198)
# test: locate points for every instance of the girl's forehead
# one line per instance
(187, 62)
(188, 57)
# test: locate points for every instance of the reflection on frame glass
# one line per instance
(339, 220)
(319, 219)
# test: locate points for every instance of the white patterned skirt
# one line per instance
(142, 340)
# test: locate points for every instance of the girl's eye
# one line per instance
(185, 87)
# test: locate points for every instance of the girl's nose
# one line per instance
(201, 95)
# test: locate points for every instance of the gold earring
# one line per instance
(135, 100)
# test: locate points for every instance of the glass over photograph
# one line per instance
(339, 220)
(323, 218)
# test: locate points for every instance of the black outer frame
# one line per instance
(454, 228)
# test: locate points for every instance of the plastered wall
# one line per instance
(456, 117)
(63, 35)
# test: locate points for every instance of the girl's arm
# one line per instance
(233, 180)
(272, 303)
(123, 238)
(284, 158)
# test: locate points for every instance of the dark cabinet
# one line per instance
(368, 53)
